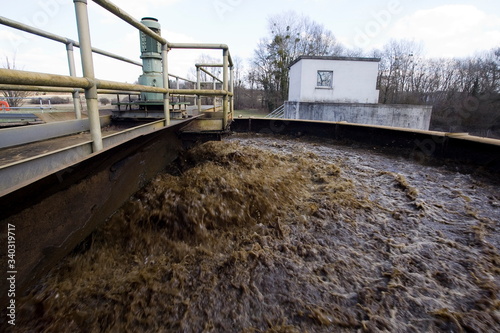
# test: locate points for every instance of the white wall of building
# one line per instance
(354, 80)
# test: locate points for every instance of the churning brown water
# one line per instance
(262, 234)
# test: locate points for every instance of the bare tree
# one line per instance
(290, 36)
(400, 60)
(14, 98)
(464, 92)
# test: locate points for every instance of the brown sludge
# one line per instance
(262, 234)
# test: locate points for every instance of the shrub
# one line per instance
(104, 100)
(59, 100)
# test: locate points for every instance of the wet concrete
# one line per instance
(276, 234)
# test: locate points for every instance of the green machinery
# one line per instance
(151, 61)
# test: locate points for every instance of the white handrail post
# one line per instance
(231, 89)
(72, 72)
(166, 96)
(198, 86)
(225, 86)
(82, 20)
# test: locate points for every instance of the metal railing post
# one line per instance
(231, 90)
(225, 85)
(72, 72)
(82, 21)
(215, 97)
(166, 96)
(198, 86)
(178, 86)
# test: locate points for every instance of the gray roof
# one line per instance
(333, 58)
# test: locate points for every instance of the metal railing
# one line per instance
(278, 113)
(39, 100)
(33, 81)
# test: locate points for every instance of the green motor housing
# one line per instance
(152, 67)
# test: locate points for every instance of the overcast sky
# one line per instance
(447, 28)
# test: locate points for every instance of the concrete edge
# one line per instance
(15, 136)
(419, 145)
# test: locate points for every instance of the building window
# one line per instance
(325, 79)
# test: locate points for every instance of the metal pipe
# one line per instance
(60, 39)
(120, 86)
(202, 92)
(82, 21)
(198, 87)
(230, 58)
(109, 6)
(197, 46)
(117, 92)
(202, 46)
(114, 56)
(32, 30)
(181, 78)
(166, 96)
(231, 89)
(210, 74)
(215, 98)
(225, 85)
(17, 77)
(112, 85)
(11, 79)
(35, 88)
(209, 65)
(72, 72)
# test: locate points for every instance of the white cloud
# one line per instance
(451, 30)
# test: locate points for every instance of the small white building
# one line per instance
(345, 89)
(334, 80)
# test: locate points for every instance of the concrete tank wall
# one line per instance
(406, 116)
